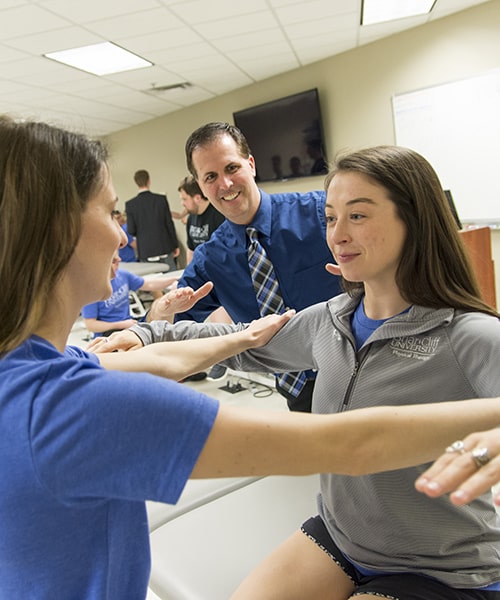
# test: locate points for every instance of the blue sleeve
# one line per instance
(134, 281)
(91, 311)
(103, 434)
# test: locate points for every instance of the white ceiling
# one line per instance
(215, 45)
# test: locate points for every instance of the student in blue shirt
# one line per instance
(291, 229)
(113, 314)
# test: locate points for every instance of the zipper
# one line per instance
(360, 359)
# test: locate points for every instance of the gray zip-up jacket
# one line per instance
(422, 356)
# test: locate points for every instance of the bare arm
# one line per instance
(156, 284)
(353, 443)
(176, 360)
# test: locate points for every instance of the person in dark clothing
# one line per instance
(149, 219)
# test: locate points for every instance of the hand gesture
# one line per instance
(177, 301)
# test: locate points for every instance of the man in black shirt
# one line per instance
(203, 218)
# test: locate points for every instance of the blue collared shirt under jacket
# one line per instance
(292, 230)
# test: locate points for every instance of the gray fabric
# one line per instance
(163, 331)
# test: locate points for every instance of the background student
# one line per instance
(149, 220)
(113, 314)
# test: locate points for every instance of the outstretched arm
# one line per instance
(356, 442)
(179, 359)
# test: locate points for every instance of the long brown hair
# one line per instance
(47, 175)
(434, 269)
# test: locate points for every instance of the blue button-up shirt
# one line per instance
(292, 230)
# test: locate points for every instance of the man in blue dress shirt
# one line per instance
(291, 229)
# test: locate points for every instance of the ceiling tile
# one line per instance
(237, 25)
(94, 10)
(26, 20)
(51, 41)
(215, 11)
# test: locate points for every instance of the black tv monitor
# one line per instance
(285, 136)
(453, 208)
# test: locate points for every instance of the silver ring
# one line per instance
(480, 457)
(457, 446)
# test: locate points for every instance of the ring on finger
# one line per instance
(457, 446)
(480, 456)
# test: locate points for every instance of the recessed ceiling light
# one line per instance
(100, 59)
(378, 11)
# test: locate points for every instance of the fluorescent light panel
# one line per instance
(378, 11)
(100, 59)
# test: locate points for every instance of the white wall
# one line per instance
(355, 92)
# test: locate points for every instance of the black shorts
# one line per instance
(403, 586)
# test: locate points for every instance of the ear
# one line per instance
(251, 162)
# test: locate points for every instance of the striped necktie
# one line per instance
(269, 300)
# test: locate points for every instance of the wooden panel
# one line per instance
(478, 243)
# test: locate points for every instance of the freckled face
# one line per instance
(227, 179)
(364, 232)
(91, 267)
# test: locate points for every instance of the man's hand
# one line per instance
(177, 301)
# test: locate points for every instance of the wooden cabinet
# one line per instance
(478, 243)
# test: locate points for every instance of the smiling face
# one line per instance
(227, 179)
(364, 232)
(90, 268)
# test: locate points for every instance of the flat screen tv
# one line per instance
(285, 137)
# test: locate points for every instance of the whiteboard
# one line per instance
(456, 127)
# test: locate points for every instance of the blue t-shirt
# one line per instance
(292, 230)
(362, 326)
(117, 306)
(81, 448)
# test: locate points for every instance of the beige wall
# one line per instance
(355, 92)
